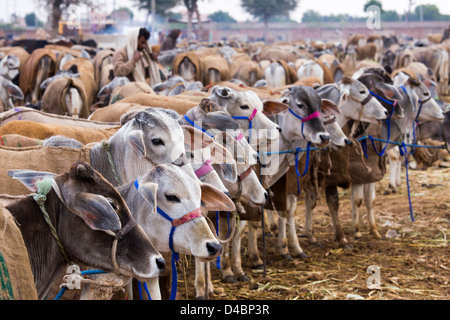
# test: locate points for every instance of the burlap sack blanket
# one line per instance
(214, 62)
(60, 51)
(277, 53)
(113, 112)
(120, 93)
(24, 113)
(263, 93)
(18, 141)
(27, 79)
(43, 131)
(100, 56)
(16, 277)
(86, 70)
(242, 65)
(366, 169)
(50, 159)
(193, 58)
(53, 101)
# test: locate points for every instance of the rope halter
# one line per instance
(250, 122)
(197, 213)
(308, 118)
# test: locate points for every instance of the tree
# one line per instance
(266, 9)
(311, 16)
(220, 16)
(373, 3)
(31, 20)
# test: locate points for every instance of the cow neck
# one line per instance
(308, 118)
(41, 197)
(175, 223)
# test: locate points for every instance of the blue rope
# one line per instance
(192, 123)
(404, 152)
(250, 126)
(381, 98)
(308, 150)
(175, 255)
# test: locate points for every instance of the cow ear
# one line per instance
(96, 211)
(215, 200)
(329, 108)
(149, 191)
(389, 91)
(272, 107)
(14, 91)
(344, 97)
(136, 140)
(160, 87)
(228, 171)
(30, 178)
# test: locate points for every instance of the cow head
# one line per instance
(247, 188)
(247, 108)
(300, 123)
(358, 104)
(176, 192)
(9, 67)
(419, 95)
(8, 93)
(85, 194)
(380, 84)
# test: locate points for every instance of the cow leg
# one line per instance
(282, 237)
(236, 254)
(356, 199)
(369, 199)
(153, 289)
(200, 279)
(225, 258)
(332, 196)
(253, 251)
(292, 233)
(396, 166)
(310, 204)
(271, 224)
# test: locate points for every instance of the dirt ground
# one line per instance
(413, 265)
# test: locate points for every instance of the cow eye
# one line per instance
(157, 142)
(172, 198)
(299, 105)
(362, 92)
(426, 94)
(245, 107)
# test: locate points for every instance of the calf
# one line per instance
(105, 237)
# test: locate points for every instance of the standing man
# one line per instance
(136, 60)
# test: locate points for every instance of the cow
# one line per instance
(423, 107)
(39, 66)
(355, 102)
(177, 193)
(105, 237)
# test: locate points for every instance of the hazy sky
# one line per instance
(352, 7)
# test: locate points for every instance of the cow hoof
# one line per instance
(243, 278)
(229, 279)
(287, 257)
(318, 244)
(258, 267)
(302, 256)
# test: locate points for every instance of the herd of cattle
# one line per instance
(234, 131)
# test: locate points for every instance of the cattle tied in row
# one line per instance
(215, 132)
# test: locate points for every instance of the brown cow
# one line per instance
(105, 237)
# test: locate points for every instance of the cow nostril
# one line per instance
(213, 248)
(279, 129)
(324, 137)
(266, 196)
(224, 92)
(386, 112)
(227, 194)
(161, 264)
